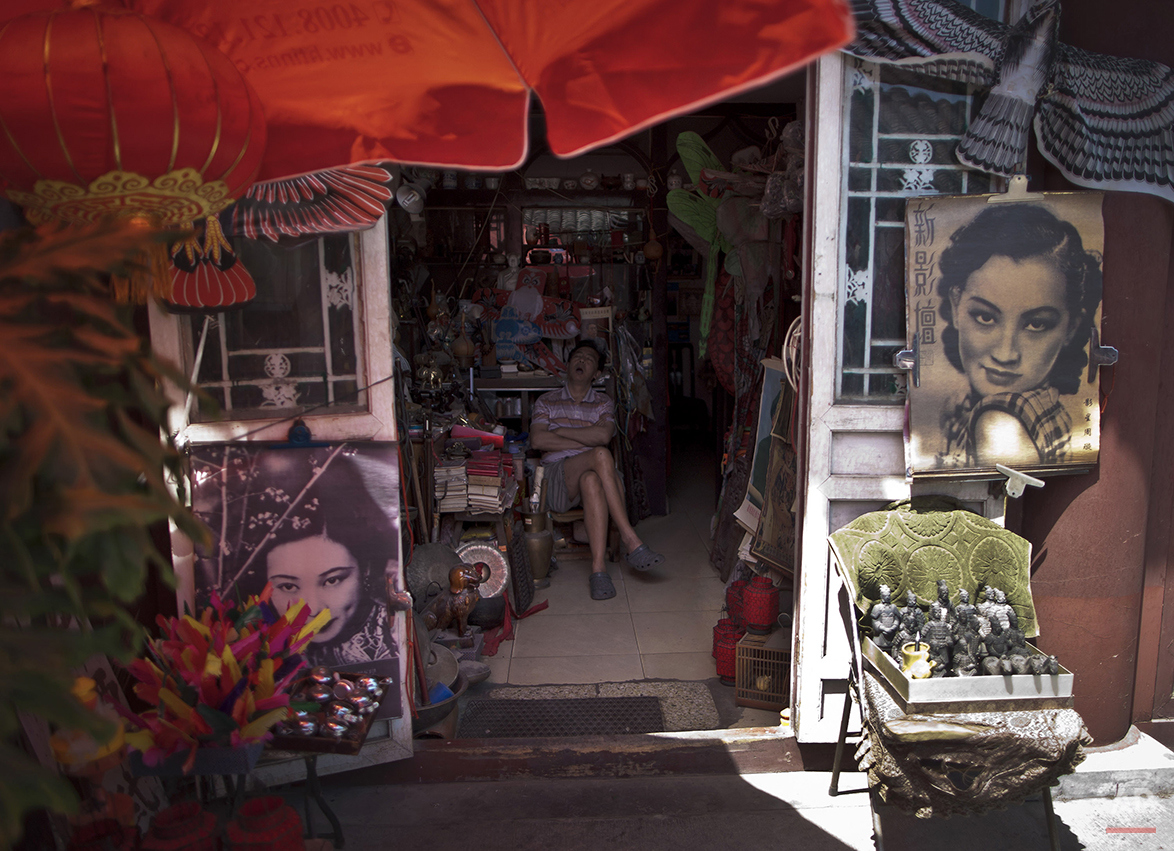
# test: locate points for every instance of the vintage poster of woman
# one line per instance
(1003, 303)
(319, 523)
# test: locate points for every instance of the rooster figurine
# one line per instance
(1104, 121)
(453, 605)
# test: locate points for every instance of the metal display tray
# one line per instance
(970, 694)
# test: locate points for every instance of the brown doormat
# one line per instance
(498, 718)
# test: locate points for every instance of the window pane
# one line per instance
(294, 347)
(888, 285)
(903, 130)
(287, 309)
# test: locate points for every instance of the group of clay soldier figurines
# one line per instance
(964, 640)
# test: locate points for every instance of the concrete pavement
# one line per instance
(1118, 799)
(758, 811)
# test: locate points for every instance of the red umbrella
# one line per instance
(448, 82)
(432, 82)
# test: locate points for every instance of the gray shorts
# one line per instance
(557, 499)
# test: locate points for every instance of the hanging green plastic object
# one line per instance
(699, 211)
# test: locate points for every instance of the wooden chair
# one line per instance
(576, 549)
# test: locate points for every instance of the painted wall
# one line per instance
(1102, 539)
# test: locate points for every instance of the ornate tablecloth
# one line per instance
(964, 763)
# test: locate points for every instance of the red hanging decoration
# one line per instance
(109, 111)
(207, 273)
(734, 593)
(104, 835)
(725, 648)
(760, 605)
(266, 824)
(183, 827)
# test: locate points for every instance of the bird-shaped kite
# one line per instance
(1104, 121)
(205, 271)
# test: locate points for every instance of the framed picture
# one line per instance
(1004, 303)
(749, 513)
(317, 522)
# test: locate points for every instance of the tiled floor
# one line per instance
(660, 623)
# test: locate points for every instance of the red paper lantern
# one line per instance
(183, 827)
(109, 111)
(104, 835)
(725, 648)
(266, 824)
(760, 605)
(734, 601)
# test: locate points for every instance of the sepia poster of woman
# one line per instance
(318, 523)
(1004, 301)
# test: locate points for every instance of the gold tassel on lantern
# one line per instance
(152, 270)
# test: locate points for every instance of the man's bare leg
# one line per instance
(599, 460)
(595, 519)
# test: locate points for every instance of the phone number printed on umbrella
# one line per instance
(312, 20)
(318, 19)
(314, 55)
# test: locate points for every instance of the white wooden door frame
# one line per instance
(855, 459)
(389, 740)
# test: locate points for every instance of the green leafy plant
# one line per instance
(84, 473)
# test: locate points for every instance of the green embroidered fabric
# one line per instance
(914, 543)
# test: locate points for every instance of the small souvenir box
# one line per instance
(334, 711)
(970, 694)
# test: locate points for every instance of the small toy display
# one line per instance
(956, 639)
(332, 711)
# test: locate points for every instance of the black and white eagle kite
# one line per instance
(1105, 122)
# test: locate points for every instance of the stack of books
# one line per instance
(485, 481)
(509, 493)
(450, 483)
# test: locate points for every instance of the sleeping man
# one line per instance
(573, 426)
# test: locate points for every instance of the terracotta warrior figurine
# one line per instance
(913, 609)
(940, 637)
(968, 647)
(986, 599)
(969, 639)
(1002, 609)
(885, 619)
(944, 599)
(910, 630)
(1018, 652)
(996, 660)
(964, 609)
(963, 664)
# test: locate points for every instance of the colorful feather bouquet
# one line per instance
(220, 680)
